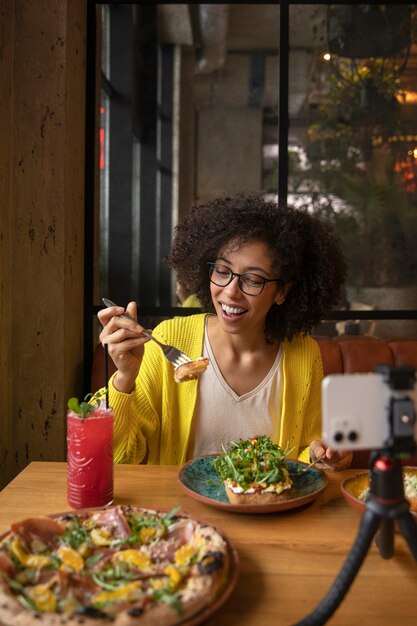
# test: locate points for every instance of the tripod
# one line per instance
(385, 506)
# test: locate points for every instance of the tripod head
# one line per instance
(401, 438)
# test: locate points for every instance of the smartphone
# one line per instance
(359, 413)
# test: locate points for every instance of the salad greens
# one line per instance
(76, 535)
(254, 460)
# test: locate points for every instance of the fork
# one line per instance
(312, 463)
(175, 356)
(302, 470)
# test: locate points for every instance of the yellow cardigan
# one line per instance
(158, 413)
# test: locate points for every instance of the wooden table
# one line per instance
(288, 560)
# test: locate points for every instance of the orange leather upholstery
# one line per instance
(360, 354)
(404, 352)
(360, 359)
(331, 356)
(343, 354)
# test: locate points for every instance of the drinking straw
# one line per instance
(106, 372)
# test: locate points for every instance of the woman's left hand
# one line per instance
(329, 458)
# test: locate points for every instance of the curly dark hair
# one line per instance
(304, 251)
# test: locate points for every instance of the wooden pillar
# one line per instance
(42, 111)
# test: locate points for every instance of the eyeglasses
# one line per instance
(251, 284)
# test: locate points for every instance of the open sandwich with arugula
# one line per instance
(254, 471)
(117, 566)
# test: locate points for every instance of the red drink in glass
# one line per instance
(90, 458)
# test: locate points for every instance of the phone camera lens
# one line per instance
(338, 436)
(353, 435)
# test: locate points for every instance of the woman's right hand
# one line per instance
(125, 343)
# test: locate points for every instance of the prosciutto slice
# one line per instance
(113, 520)
(37, 528)
(179, 534)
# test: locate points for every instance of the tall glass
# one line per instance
(90, 458)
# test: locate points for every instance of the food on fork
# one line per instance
(191, 370)
(116, 566)
(254, 471)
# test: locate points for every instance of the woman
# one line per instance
(265, 275)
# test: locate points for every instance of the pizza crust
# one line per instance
(12, 613)
(200, 596)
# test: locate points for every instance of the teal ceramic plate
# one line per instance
(200, 481)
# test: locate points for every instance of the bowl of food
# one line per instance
(355, 489)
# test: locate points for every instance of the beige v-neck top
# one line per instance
(221, 411)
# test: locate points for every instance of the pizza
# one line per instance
(115, 566)
(254, 471)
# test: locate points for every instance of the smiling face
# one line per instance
(239, 312)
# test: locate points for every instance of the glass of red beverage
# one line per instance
(90, 458)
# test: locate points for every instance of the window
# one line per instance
(184, 116)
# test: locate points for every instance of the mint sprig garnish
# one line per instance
(87, 406)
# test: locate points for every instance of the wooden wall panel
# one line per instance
(42, 162)
(6, 47)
